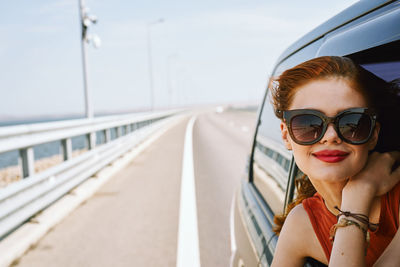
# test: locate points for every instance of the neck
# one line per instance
(331, 193)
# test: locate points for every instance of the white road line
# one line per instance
(188, 254)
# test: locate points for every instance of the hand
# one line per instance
(378, 176)
(375, 179)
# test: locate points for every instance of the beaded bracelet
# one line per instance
(343, 222)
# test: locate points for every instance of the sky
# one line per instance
(204, 52)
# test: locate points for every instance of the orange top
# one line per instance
(322, 220)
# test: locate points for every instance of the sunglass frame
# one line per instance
(288, 115)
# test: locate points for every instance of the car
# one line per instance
(367, 32)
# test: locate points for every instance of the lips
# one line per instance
(331, 156)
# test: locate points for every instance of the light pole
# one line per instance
(86, 21)
(150, 60)
(169, 79)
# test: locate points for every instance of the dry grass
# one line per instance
(14, 173)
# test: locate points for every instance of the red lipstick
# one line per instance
(331, 156)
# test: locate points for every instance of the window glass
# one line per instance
(383, 60)
(388, 71)
(271, 160)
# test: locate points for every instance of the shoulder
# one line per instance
(298, 227)
(298, 212)
(298, 240)
(294, 238)
(298, 220)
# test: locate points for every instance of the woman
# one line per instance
(332, 113)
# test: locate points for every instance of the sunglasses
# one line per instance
(307, 126)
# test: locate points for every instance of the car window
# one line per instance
(383, 61)
(271, 160)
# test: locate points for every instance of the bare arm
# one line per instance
(374, 180)
(350, 243)
(294, 240)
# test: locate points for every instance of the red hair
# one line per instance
(285, 86)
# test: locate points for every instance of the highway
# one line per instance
(133, 220)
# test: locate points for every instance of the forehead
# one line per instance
(330, 96)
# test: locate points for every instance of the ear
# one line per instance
(285, 136)
(374, 138)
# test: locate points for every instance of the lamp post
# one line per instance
(86, 21)
(150, 60)
(169, 78)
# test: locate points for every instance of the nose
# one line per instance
(331, 136)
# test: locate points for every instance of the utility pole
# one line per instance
(151, 60)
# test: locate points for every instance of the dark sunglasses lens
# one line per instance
(355, 127)
(306, 128)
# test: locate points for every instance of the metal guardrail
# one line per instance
(21, 200)
(275, 168)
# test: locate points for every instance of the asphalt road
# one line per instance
(133, 219)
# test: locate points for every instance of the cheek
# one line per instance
(301, 156)
(360, 158)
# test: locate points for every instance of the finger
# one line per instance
(395, 155)
(390, 157)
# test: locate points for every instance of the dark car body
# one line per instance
(369, 33)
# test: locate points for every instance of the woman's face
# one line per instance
(330, 96)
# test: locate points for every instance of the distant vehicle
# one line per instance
(369, 33)
(219, 109)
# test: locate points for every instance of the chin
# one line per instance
(333, 175)
(336, 172)
(331, 178)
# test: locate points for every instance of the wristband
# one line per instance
(359, 217)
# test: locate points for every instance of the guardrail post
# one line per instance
(119, 132)
(27, 159)
(107, 135)
(66, 145)
(91, 137)
(127, 129)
